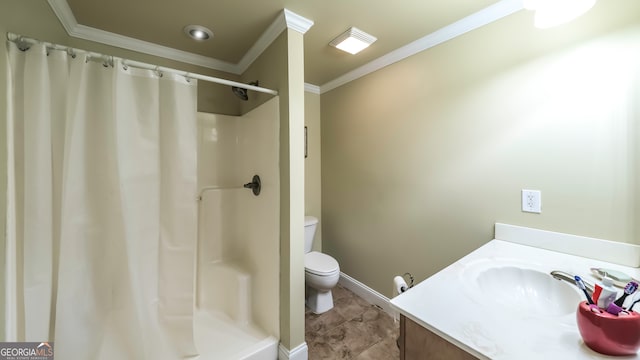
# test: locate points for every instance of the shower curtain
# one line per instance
(101, 207)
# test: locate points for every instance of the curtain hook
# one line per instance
(71, 53)
(23, 45)
(125, 67)
(158, 72)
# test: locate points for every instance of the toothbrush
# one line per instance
(580, 284)
(631, 287)
(636, 299)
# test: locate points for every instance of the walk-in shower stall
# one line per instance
(135, 230)
(238, 241)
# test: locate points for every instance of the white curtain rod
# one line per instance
(19, 39)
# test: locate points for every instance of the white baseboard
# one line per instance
(300, 352)
(367, 294)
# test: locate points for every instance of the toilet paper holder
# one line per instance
(410, 282)
(402, 283)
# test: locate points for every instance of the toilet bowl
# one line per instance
(321, 272)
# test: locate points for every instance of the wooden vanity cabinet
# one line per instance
(418, 343)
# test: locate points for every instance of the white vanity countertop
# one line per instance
(452, 305)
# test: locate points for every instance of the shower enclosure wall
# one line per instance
(238, 244)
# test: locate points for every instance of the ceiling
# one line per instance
(238, 24)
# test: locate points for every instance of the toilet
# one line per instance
(321, 271)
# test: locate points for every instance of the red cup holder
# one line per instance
(609, 334)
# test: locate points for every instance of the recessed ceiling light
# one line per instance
(198, 32)
(353, 40)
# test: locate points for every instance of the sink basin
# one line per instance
(522, 288)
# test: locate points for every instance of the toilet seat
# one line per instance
(320, 264)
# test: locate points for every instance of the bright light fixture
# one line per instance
(550, 13)
(353, 40)
(198, 32)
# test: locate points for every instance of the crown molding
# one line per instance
(315, 89)
(65, 15)
(478, 19)
(125, 42)
(267, 37)
(286, 19)
(297, 22)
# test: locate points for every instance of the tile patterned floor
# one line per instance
(353, 329)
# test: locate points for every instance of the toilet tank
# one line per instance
(310, 224)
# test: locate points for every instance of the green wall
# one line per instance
(281, 67)
(422, 157)
(312, 164)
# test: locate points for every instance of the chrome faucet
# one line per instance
(561, 275)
